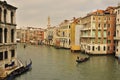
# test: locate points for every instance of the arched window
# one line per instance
(5, 35)
(1, 35)
(12, 14)
(5, 13)
(12, 35)
(0, 14)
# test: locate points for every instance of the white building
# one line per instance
(7, 37)
(117, 38)
(63, 34)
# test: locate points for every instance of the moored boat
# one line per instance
(19, 71)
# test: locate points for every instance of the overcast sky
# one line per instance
(34, 13)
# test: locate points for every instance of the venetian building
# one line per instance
(117, 37)
(7, 36)
(50, 34)
(97, 35)
(63, 35)
(75, 34)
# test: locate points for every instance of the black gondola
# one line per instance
(82, 59)
(19, 71)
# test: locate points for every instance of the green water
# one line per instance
(59, 64)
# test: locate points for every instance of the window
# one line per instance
(108, 25)
(5, 35)
(117, 50)
(99, 33)
(109, 33)
(109, 41)
(69, 41)
(1, 55)
(93, 33)
(12, 17)
(104, 25)
(1, 35)
(104, 33)
(12, 35)
(98, 48)
(104, 41)
(104, 48)
(63, 33)
(114, 48)
(108, 48)
(99, 25)
(99, 41)
(118, 20)
(12, 53)
(6, 55)
(69, 26)
(117, 32)
(93, 48)
(5, 13)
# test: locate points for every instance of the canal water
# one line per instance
(59, 64)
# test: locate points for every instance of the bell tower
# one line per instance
(48, 22)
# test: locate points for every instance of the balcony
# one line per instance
(85, 29)
(116, 38)
(87, 36)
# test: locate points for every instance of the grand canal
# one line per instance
(59, 64)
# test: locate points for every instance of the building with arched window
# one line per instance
(7, 37)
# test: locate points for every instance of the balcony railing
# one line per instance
(116, 38)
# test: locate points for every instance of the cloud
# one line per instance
(35, 12)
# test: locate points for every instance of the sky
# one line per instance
(34, 13)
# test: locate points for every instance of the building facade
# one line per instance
(97, 35)
(117, 38)
(30, 35)
(49, 36)
(7, 37)
(75, 34)
(63, 35)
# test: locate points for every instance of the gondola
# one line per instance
(82, 60)
(19, 71)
